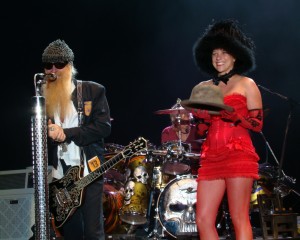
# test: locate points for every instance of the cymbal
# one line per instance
(179, 110)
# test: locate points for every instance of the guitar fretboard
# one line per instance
(83, 182)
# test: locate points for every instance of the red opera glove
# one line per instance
(253, 120)
(202, 129)
(230, 116)
(202, 114)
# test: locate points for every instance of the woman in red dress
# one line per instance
(229, 162)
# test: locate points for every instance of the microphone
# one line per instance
(42, 78)
(46, 77)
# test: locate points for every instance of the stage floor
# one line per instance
(142, 235)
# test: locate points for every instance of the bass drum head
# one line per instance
(177, 206)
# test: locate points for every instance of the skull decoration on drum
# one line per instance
(128, 192)
(137, 190)
(141, 175)
(177, 205)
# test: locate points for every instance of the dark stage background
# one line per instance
(141, 51)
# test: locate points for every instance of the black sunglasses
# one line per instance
(58, 65)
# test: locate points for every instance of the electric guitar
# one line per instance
(65, 194)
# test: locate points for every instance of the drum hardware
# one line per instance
(155, 233)
(192, 155)
(225, 218)
(173, 153)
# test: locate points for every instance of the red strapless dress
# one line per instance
(228, 150)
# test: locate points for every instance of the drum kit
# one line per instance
(157, 184)
(155, 189)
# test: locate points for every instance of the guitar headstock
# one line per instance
(135, 146)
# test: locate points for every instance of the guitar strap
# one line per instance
(80, 119)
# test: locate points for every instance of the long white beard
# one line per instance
(58, 96)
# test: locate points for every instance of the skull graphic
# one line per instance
(140, 174)
(128, 192)
(179, 205)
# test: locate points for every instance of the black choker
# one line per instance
(223, 78)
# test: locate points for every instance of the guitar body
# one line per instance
(65, 196)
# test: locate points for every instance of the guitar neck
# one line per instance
(83, 182)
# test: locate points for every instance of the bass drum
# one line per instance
(176, 206)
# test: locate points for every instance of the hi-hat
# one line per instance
(179, 110)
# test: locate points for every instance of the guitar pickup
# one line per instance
(63, 197)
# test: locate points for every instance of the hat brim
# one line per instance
(211, 107)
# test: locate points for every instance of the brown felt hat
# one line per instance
(206, 97)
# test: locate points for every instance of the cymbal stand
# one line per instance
(275, 158)
(292, 104)
(284, 176)
(227, 220)
(153, 197)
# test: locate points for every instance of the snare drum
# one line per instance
(174, 162)
(137, 191)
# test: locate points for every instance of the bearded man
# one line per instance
(78, 121)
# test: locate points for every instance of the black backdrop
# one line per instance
(141, 51)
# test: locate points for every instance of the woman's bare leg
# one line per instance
(209, 196)
(238, 195)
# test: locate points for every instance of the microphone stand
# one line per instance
(40, 161)
(292, 104)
